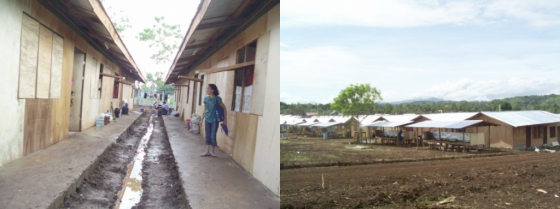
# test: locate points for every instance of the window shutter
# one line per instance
(28, 57)
(56, 69)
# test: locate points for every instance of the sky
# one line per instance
(141, 14)
(410, 50)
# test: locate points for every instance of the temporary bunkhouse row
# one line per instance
(235, 44)
(510, 129)
(62, 64)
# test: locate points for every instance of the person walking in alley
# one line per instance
(211, 122)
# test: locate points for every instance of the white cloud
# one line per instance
(469, 89)
(400, 13)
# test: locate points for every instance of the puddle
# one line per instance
(131, 192)
(358, 147)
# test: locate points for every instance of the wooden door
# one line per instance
(77, 91)
(528, 136)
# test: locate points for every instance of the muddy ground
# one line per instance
(100, 188)
(161, 183)
(315, 152)
(511, 181)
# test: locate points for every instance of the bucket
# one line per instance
(284, 135)
(141, 109)
(326, 135)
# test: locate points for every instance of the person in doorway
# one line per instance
(165, 108)
(211, 122)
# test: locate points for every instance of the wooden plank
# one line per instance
(123, 82)
(259, 78)
(189, 78)
(228, 68)
(45, 62)
(56, 67)
(109, 75)
(28, 57)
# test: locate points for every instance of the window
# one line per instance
(552, 132)
(243, 82)
(243, 79)
(540, 131)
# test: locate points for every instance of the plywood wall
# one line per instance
(256, 149)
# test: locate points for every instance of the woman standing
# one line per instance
(211, 124)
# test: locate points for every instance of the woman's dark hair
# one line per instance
(215, 88)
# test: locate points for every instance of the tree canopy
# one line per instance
(164, 37)
(356, 98)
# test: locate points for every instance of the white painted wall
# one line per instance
(267, 149)
(13, 109)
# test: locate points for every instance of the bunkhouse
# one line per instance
(519, 129)
(235, 45)
(62, 64)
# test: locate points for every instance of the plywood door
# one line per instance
(77, 88)
(37, 125)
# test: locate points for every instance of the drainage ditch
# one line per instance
(138, 171)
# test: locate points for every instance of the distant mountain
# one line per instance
(430, 99)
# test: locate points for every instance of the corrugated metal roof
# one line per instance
(369, 119)
(327, 124)
(307, 123)
(400, 117)
(445, 124)
(524, 118)
(450, 116)
(391, 124)
(341, 119)
(87, 19)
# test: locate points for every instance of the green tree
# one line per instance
(155, 83)
(165, 38)
(119, 19)
(355, 99)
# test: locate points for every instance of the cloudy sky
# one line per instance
(454, 50)
(141, 14)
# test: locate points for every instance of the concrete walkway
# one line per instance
(214, 182)
(43, 178)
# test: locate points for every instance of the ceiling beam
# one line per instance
(220, 24)
(189, 78)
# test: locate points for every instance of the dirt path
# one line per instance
(161, 183)
(100, 189)
(493, 182)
